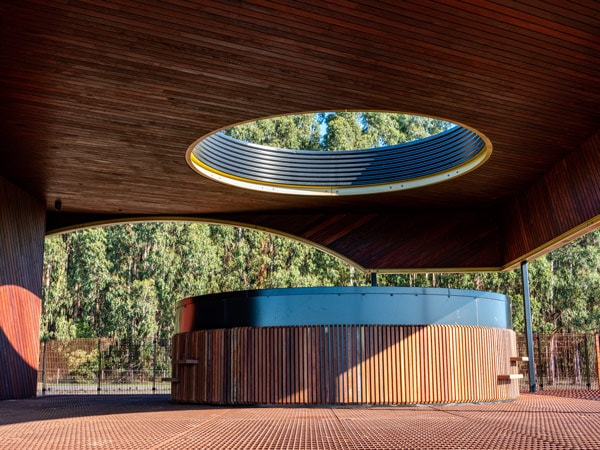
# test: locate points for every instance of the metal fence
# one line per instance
(113, 366)
(563, 361)
(104, 366)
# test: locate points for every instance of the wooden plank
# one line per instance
(186, 361)
(510, 376)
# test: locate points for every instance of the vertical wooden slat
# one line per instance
(443, 369)
(175, 350)
(359, 363)
(262, 365)
(401, 365)
(598, 356)
(328, 370)
(296, 390)
(313, 358)
(305, 368)
(270, 357)
(348, 369)
(408, 374)
(335, 363)
(320, 382)
(244, 373)
(397, 365)
(436, 362)
(287, 357)
(454, 391)
(429, 344)
(276, 358)
(422, 364)
(460, 363)
(374, 365)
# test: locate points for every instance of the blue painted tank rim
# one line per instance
(391, 290)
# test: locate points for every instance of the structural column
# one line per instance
(528, 326)
(22, 228)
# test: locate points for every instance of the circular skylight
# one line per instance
(321, 168)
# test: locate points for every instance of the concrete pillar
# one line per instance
(22, 227)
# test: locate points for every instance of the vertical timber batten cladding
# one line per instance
(344, 364)
(366, 361)
(22, 222)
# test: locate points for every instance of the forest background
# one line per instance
(123, 281)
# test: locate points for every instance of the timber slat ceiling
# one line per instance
(101, 99)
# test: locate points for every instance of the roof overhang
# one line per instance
(101, 101)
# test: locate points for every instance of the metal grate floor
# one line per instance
(154, 422)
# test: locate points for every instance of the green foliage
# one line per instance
(81, 364)
(123, 281)
(300, 131)
(337, 131)
(58, 304)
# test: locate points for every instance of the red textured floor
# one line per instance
(153, 422)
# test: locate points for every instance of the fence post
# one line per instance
(99, 375)
(154, 365)
(44, 367)
(539, 362)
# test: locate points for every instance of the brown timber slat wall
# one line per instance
(344, 364)
(22, 221)
(567, 197)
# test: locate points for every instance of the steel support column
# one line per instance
(528, 326)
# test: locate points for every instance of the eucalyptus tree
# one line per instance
(573, 301)
(57, 304)
(298, 131)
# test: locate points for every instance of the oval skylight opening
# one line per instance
(339, 153)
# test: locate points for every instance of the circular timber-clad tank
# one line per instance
(352, 345)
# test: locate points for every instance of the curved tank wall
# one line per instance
(352, 345)
(344, 305)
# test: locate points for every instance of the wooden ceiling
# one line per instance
(101, 99)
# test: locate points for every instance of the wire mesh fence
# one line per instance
(120, 366)
(563, 361)
(104, 366)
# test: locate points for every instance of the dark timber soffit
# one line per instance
(100, 102)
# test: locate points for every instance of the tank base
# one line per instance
(345, 364)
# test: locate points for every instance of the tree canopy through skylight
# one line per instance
(338, 131)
